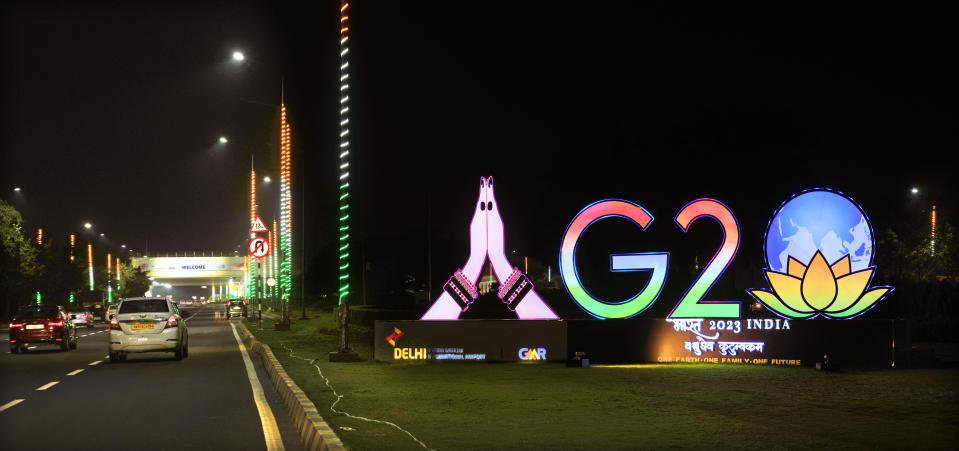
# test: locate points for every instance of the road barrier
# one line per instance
(313, 430)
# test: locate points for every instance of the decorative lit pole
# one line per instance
(39, 243)
(246, 275)
(286, 211)
(73, 242)
(932, 232)
(276, 258)
(251, 286)
(87, 226)
(345, 352)
(90, 263)
(109, 278)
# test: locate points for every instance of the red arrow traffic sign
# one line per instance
(259, 247)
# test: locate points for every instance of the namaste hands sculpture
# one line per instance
(487, 240)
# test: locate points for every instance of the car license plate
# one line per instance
(142, 326)
(34, 326)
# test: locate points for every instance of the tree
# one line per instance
(59, 276)
(910, 254)
(18, 260)
(134, 282)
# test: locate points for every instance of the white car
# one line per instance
(147, 325)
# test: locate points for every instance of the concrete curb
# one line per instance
(313, 430)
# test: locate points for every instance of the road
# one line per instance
(79, 399)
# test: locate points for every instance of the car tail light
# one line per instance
(114, 324)
(171, 322)
(16, 325)
(244, 302)
(57, 324)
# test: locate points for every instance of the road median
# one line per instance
(312, 429)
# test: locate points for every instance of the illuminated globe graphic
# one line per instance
(819, 221)
(819, 252)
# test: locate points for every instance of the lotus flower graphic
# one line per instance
(811, 227)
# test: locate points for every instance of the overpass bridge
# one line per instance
(214, 273)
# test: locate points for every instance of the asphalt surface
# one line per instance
(151, 401)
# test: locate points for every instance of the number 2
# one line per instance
(692, 304)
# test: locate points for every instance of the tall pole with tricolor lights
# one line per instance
(344, 179)
(109, 278)
(251, 281)
(275, 260)
(286, 211)
(90, 263)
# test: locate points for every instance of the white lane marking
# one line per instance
(10, 404)
(95, 362)
(51, 384)
(271, 434)
(31, 347)
(75, 372)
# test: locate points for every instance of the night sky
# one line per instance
(111, 114)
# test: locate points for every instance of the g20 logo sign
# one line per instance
(818, 252)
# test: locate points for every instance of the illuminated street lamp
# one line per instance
(223, 140)
(238, 56)
(267, 179)
(87, 226)
(915, 190)
(16, 189)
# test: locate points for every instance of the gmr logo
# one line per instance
(532, 353)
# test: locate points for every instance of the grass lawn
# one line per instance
(464, 405)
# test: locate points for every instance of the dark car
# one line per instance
(43, 324)
(236, 307)
(99, 313)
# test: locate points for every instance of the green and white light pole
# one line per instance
(344, 190)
